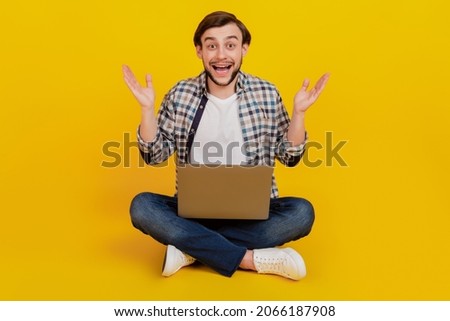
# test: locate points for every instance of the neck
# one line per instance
(221, 92)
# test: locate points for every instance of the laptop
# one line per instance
(224, 191)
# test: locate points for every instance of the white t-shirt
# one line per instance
(219, 137)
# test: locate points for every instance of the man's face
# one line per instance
(221, 52)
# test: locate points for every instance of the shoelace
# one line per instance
(187, 259)
(272, 264)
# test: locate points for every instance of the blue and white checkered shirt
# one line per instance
(263, 117)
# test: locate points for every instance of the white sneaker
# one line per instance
(175, 260)
(285, 262)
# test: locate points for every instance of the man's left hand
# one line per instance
(304, 98)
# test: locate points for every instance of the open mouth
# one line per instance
(222, 68)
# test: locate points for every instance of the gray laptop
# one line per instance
(224, 192)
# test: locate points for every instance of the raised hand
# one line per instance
(304, 99)
(144, 95)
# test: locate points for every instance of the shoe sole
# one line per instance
(167, 255)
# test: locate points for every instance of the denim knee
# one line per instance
(309, 216)
(137, 208)
(305, 215)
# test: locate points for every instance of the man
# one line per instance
(237, 108)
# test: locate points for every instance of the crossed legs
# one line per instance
(223, 245)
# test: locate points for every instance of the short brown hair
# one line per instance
(220, 19)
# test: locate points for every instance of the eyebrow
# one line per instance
(226, 38)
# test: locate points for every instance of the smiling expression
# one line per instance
(222, 52)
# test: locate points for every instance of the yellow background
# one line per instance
(382, 227)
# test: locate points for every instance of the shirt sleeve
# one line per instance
(286, 152)
(295, 150)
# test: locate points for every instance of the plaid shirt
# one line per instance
(263, 117)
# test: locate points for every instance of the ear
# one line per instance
(198, 50)
(244, 49)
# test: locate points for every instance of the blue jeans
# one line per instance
(221, 244)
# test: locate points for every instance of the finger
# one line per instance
(129, 83)
(149, 80)
(324, 79)
(305, 84)
(127, 74)
(322, 82)
(129, 77)
(127, 71)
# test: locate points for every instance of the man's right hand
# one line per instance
(144, 95)
(146, 98)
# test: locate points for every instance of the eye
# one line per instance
(231, 46)
(211, 46)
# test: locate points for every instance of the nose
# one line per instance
(221, 52)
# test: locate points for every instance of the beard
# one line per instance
(223, 84)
